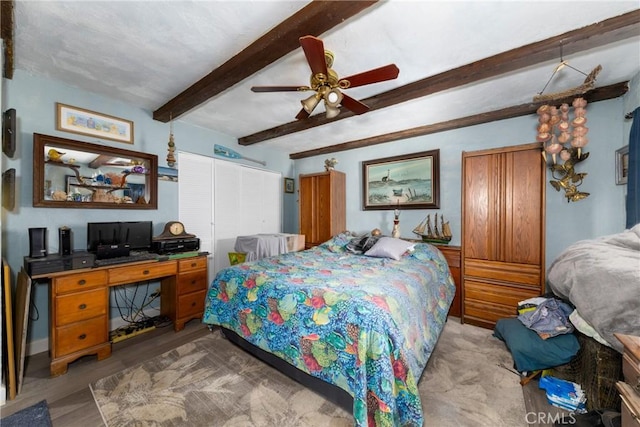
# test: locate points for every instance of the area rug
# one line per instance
(34, 416)
(211, 382)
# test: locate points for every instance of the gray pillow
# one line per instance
(388, 247)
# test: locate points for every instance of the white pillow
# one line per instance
(388, 247)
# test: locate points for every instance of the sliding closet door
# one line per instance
(221, 200)
(195, 199)
(247, 201)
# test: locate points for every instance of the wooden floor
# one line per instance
(69, 397)
(539, 413)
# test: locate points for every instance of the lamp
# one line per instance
(311, 102)
(396, 222)
(333, 97)
(331, 111)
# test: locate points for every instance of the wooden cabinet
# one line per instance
(630, 388)
(79, 325)
(182, 296)
(322, 206)
(452, 254)
(503, 217)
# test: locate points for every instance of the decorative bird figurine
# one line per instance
(55, 155)
(330, 164)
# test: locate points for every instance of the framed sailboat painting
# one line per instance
(409, 181)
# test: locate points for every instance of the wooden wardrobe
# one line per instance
(322, 206)
(503, 231)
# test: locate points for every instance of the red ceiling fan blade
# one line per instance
(314, 51)
(388, 72)
(353, 104)
(302, 114)
(279, 88)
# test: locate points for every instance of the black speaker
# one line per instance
(38, 242)
(9, 132)
(64, 235)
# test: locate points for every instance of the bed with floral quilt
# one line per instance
(364, 322)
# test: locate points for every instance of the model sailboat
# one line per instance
(434, 235)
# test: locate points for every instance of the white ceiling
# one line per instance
(146, 52)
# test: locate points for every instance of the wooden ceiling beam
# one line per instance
(6, 33)
(595, 35)
(314, 19)
(598, 94)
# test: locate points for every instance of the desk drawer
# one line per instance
(141, 272)
(81, 305)
(191, 282)
(80, 281)
(191, 304)
(190, 264)
(79, 336)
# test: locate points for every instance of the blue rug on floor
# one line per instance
(34, 416)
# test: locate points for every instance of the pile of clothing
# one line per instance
(548, 317)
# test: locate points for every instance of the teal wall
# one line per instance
(34, 99)
(600, 214)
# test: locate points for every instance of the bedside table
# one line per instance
(630, 388)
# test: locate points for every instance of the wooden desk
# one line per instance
(79, 303)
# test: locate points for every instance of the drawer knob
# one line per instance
(193, 264)
(193, 282)
(82, 282)
(82, 306)
(83, 336)
(145, 272)
(193, 304)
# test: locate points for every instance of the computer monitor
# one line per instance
(137, 234)
(102, 233)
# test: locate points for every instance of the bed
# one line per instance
(365, 325)
(601, 278)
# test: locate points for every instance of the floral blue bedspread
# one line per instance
(367, 325)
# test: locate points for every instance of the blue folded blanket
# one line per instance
(532, 353)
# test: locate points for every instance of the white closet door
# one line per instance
(221, 200)
(230, 220)
(272, 188)
(195, 200)
(261, 201)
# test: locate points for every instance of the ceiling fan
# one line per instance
(326, 83)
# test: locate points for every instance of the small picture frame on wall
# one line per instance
(90, 123)
(289, 185)
(622, 165)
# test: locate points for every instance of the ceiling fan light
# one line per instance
(333, 97)
(332, 111)
(310, 103)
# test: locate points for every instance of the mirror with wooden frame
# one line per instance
(75, 174)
